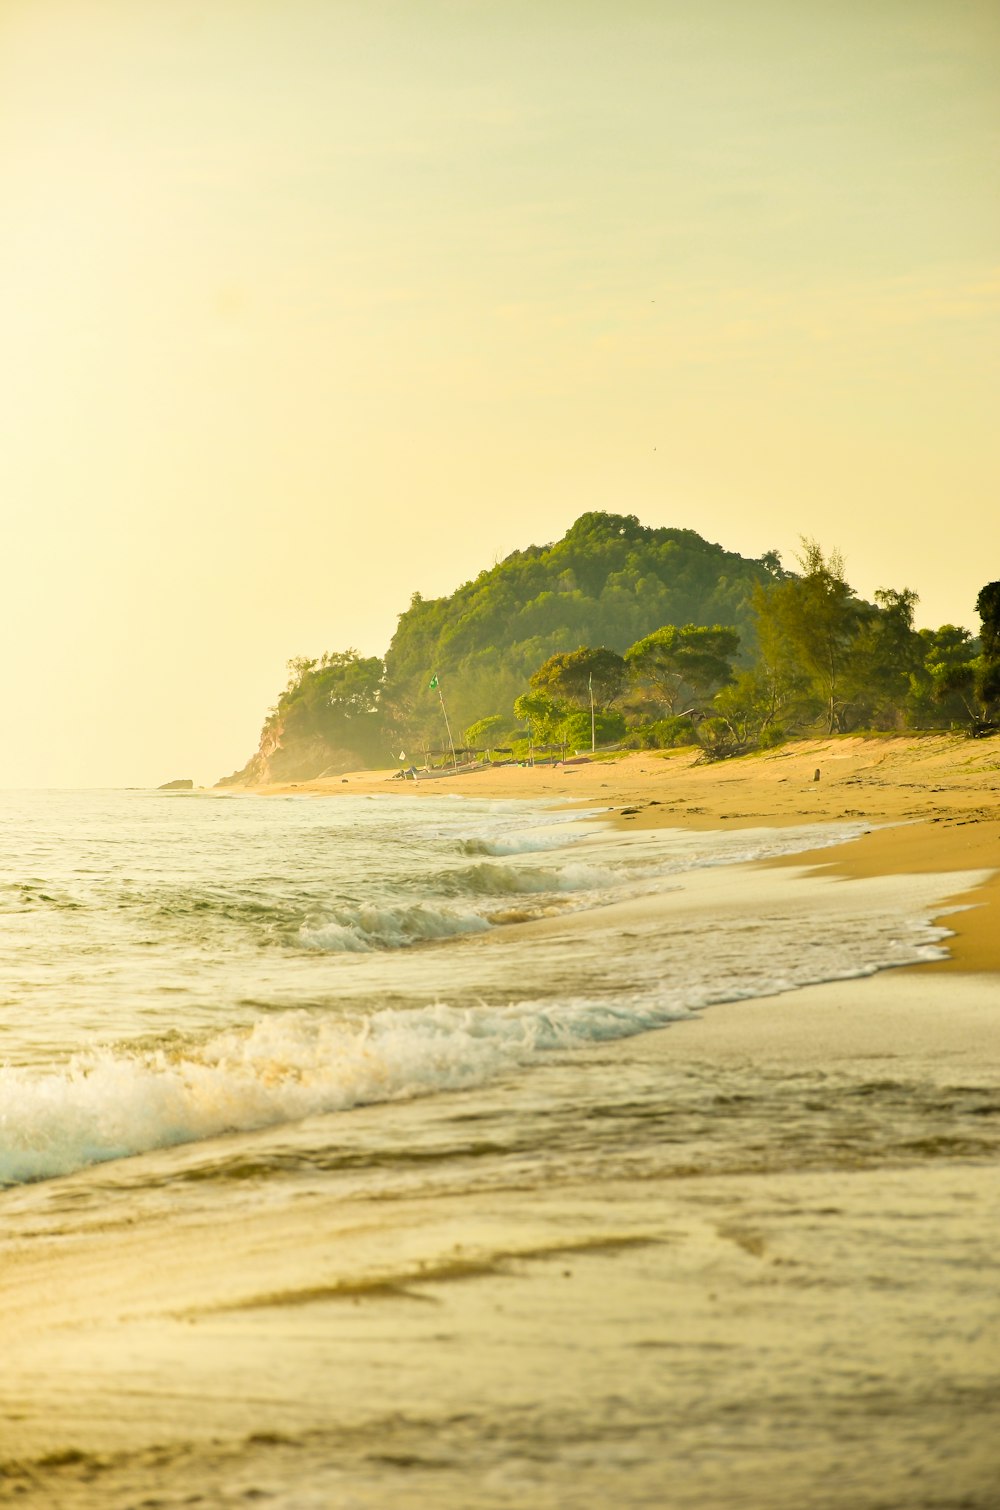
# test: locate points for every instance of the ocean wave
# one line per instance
(362, 929)
(515, 844)
(510, 880)
(27, 896)
(112, 1105)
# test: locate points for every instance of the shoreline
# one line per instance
(796, 1276)
(933, 802)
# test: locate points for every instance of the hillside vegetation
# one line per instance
(608, 582)
(647, 636)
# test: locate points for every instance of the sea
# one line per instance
(402, 1026)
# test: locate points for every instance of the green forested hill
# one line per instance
(609, 581)
(812, 655)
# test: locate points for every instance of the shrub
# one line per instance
(608, 727)
(663, 734)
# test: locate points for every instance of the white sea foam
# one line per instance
(362, 882)
(111, 1105)
(293, 1064)
(362, 929)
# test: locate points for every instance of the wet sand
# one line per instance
(791, 1304)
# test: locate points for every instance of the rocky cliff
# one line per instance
(301, 759)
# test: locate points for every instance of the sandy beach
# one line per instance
(805, 1315)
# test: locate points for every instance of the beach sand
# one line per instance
(803, 1316)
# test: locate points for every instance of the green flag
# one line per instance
(433, 684)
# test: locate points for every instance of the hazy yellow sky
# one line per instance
(309, 304)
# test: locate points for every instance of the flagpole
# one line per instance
(590, 688)
(437, 688)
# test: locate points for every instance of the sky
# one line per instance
(308, 306)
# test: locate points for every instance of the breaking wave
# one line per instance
(523, 844)
(361, 929)
(110, 1105)
(508, 880)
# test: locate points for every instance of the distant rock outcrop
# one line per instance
(176, 786)
(328, 720)
(301, 759)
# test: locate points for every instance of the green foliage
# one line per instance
(987, 685)
(609, 581)
(334, 700)
(771, 562)
(543, 717)
(662, 734)
(609, 727)
(987, 677)
(576, 675)
(479, 734)
(881, 659)
(675, 665)
(942, 685)
(328, 716)
(336, 692)
(808, 624)
(748, 710)
(988, 609)
(760, 652)
(830, 659)
(716, 739)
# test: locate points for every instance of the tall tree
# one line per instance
(885, 654)
(942, 686)
(571, 676)
(988, 609)
(540, 713)
(676, 665)
(811, 622)
(988, 670)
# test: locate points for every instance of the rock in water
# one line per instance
(176, 786)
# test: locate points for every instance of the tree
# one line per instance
(479, 733)
(540, 713)
(575, 728)
(988, 609)
(942, 685)
(608, 581)
(681, 665)
(571, 676)
(747, 714)
(810, 623)
(881, 661)
(987, 686)
(335, 697)
(329, 716)
(987, 682)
